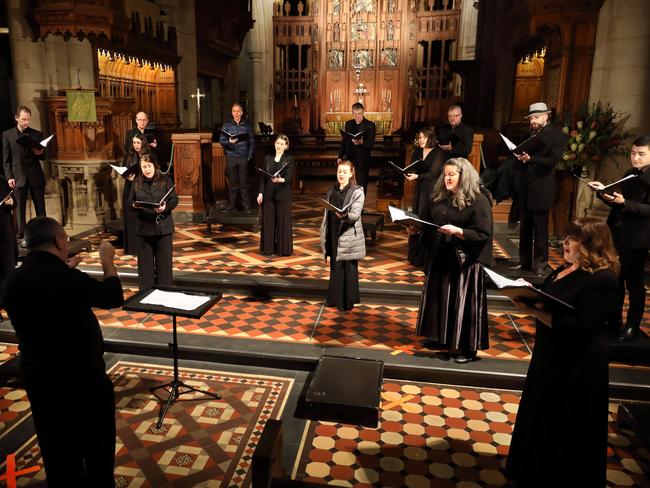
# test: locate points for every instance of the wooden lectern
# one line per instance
(196, 175)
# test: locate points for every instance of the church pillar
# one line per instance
(467, 32)
(257, 94)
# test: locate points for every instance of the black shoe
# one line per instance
(521, 267)
(628, 334)
(429, 344)
(465, 358)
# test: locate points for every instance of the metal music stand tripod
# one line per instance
(176, 387)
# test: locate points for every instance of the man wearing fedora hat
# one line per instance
(536, 190)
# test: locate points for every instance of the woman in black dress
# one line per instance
(453, 308)
(424, 181)
(8, 247)
(560, 436)
(274, 197)
(342, 239)
(154, 225)
(139, 146)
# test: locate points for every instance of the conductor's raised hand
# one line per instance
(106, 252)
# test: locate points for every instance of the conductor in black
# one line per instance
(358, 150)
(537, 185)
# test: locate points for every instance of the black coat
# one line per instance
(476, 222)
(8, 247)
(462, 147)
(566, 389)
(630, 222)
(537, 182)
(149, 222)
(50, 306)
(359, 155)
(19, 163)
(425, 182)
(279, 192)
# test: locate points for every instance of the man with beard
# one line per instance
(536, 188)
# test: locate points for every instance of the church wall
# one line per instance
(620, 77)
(183, 18)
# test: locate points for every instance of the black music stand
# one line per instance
(175, 387)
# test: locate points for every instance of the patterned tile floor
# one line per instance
(236, 251)
(206, 443)
(439, 436)
(381, 327)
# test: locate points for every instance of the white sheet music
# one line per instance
(511, 145)
(502, 281)
(175, 299)
(119, 169)
(45, 141)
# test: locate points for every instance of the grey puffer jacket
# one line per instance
(352, 242)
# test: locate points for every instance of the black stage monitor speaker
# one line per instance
(345, 390)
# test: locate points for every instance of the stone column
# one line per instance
(257, 91)
(620, 77)
(260, 53)
(467, 32)
(183, 18)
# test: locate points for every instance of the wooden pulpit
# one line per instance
(193, 176)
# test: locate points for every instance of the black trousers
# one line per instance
(77, 444)
(533, 238)
(38, 197)
(362, 173)
(632, 269)
(237, 171)
(154, 261)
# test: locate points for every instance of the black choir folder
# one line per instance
(418, 167)
(140, 203)
(240, 137)
(334, 208)
(28, 142)
(356, 136)
(532, 144)
(525, 292)
(401, 217)
(272, 175)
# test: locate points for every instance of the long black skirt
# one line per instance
(276, 235)
(453, 307)
(129, 238)
(343, 290)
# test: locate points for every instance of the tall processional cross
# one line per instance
(198, 96)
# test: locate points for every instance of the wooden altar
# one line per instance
(199, 169)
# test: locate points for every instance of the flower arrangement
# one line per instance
(595, 132)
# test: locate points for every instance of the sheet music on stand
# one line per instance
(175, 299)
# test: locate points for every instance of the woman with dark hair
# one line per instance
(8, 246)
(453, 308)
(274, 197)
(560, 436)
(427, 152)
(154, 225)
(342, 239)
(139, 146)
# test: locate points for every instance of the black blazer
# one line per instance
(279, 192)
(150, 223)
(50, 305)
(149, 134)
(537, 183)
(426, 181)
(360, 155)
(630, 222)
(19, 163)
(463, 146)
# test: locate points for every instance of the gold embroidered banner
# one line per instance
(81, 106)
